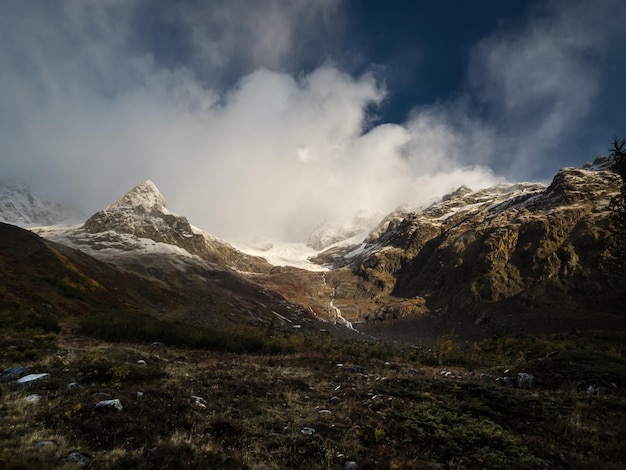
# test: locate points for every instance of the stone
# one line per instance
(158, 346)
(13, 373)
(41, 444)
(114, 403)
(199, 401)
(307, 431)
(506, 381)
(33, 398)
(78, 458)
(486, 378)
(350, 465)
(30, 379)
(73, 386)
(525, 380)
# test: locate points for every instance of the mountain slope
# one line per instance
(42, 282)
(522, 249)
(140, 236)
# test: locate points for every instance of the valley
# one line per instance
(483, 331)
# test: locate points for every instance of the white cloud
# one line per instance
(537, 86)
(86, 114)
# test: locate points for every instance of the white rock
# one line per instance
(28, 380)
(114, 403)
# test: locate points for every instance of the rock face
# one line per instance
(495, 248)
(523, 244)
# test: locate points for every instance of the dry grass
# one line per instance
(393, 411)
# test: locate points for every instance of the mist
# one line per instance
(246, 135)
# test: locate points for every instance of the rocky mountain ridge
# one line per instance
(516, 248)
(519, 248)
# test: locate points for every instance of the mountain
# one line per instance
(43, 282)
(139, 224)
(515, 256)
(511, 258)
(20, 206)
(138, 235)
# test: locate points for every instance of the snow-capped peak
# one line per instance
(144, 194)
(21, 206)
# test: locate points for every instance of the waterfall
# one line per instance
(336, 312)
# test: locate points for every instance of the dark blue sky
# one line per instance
(423, 47)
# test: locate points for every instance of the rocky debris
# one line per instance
(73, 386)
(449, 374)
(307, 431)
(78, 458)
(525, 380)
(42, 444)
(13, 373)
(30, 379)
(597, 389)
(113, 403)
(487, 378)
(199, 401)
(506, 381)
(158, 346)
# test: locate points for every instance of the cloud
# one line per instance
(533, 92)
(243, 143)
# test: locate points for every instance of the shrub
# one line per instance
(120, 326)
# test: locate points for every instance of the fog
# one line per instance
(245, 143)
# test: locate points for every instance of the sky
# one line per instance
(268, 117)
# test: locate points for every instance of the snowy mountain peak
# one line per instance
(144, 194)
(21, 206)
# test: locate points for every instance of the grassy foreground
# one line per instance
(381, 406)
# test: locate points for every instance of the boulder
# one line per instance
(114, 403)
(13, 373)
(78, 458)
(30, 379)
(525, 380)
